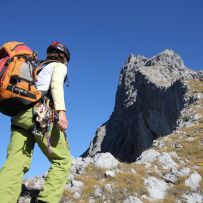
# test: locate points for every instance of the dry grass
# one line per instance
(200, 171)
(68, 194)
(129, 181)
(90, 178)
(178, 189)
(193, 150)
(169, 198)
(126, 182)
(196, 85)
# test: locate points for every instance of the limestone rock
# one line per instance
(167, 162)
(151, 99)
(193, 198)
(193, 181)
(132, 199)
(105, 161)
(80, 163)
(75, 186)
(109, 188)
(156, 188)
(35, 183)
(148, 156)
(110, 173)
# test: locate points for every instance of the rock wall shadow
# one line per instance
(154, 114)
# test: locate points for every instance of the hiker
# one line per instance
(26, 130)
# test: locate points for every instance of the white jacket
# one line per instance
(52, 76)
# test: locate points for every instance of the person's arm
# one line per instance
(57, 92)
(63, 121)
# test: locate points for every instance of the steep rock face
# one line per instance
(150, 97)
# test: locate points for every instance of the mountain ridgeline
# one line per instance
(150, 96)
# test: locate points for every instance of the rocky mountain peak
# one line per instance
(151, 95)
(167, 58)
(135, 59)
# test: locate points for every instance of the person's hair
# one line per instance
(57, 56)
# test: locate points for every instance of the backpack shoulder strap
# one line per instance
(41, 66)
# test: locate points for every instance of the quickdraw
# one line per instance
(44, 117)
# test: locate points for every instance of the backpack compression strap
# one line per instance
(2, 65)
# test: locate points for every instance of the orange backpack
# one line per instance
(18, 71)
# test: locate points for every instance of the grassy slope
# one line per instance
(129, 180)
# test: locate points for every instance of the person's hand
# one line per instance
(63, 122)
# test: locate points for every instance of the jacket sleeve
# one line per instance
(57, 86)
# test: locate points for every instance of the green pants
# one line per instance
(19, 159)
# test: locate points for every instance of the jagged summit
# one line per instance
(133, 59)
(168, 60)
(167, 57)
(151, 95)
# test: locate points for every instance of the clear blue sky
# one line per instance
(100, 34)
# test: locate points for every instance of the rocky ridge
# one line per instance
(150, 97)
(151, 148)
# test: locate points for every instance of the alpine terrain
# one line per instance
(151, 148)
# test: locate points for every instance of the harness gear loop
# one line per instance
(44, 118)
